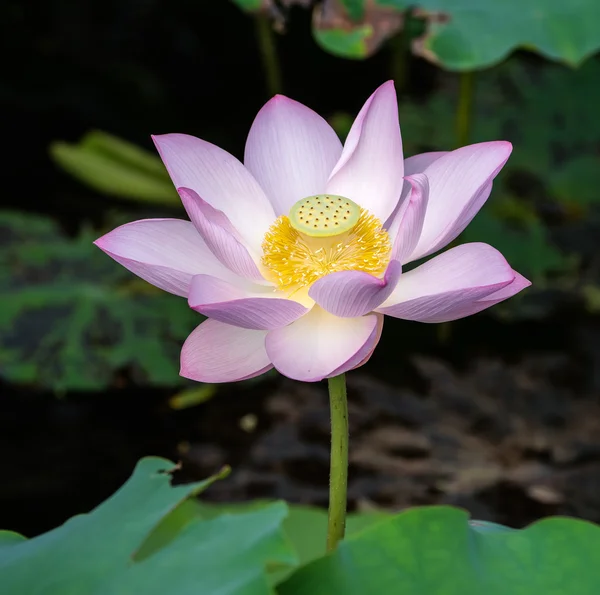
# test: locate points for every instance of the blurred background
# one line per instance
(498, 413)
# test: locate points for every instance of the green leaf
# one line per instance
(226, 555)
(346, 44)
(80, 555)
(116, 167)
(354, 8)
(355, 29)
(305, 527)
(149, 538)
(458, 33)
(71, 317)
(436, 550)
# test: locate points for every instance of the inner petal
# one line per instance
(323, 234)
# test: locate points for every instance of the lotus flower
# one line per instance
(296, 255)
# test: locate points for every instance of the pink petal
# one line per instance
(221, 180)
(451, 285)
(459, 184)
(291, 151)
(371, 167)
(164, 252)
(518, 283)
(362, 356)
(354, 293)
(319, 344)
(219, 235)
(245, 305)
(417, 164)
(407, 224)
(217, 352)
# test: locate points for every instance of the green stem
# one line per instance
(338, 477)
(400, 54)
(463, 112)
(268, 54)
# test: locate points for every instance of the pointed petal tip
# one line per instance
(503, 146)
(278, 101)
(521, 281)
(506, 146)
(387, 88)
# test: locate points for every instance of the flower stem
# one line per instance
(268, 54)
(400, 60)
(463, 112)
(338, 477)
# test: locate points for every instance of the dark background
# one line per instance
(500, 416)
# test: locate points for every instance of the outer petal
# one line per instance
(219, 235)
(459, 184)
(371, 167)
(242, 304)
(417, 164)
(291, 151)
(221, 180)
(451, 285)
(164, 252)
(318, 344)
(406, 226)
(518, 283)
(362, 356)
(354, 293)
(217, 352)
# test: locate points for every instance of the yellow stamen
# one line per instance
(294, 260)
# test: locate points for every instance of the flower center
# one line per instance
(323, 234)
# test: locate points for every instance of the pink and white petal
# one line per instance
(243, 304)
(353, 135)
(354, 293)
(291, 151)
(407, 224)
(450, 285)
(459, 184)
(220, 236)
(371, 167)
(417, 164)
(217, 352)
(221, 180)
(317, 344)
(164, 252)
(363, 355)
(518, 284)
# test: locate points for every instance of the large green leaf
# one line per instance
(79, 555)
(116, 167)
(227, 555)
(463, 34)
(305, 527)
(147, 538)
(469, 34)
(437, 551)
(71, 317)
